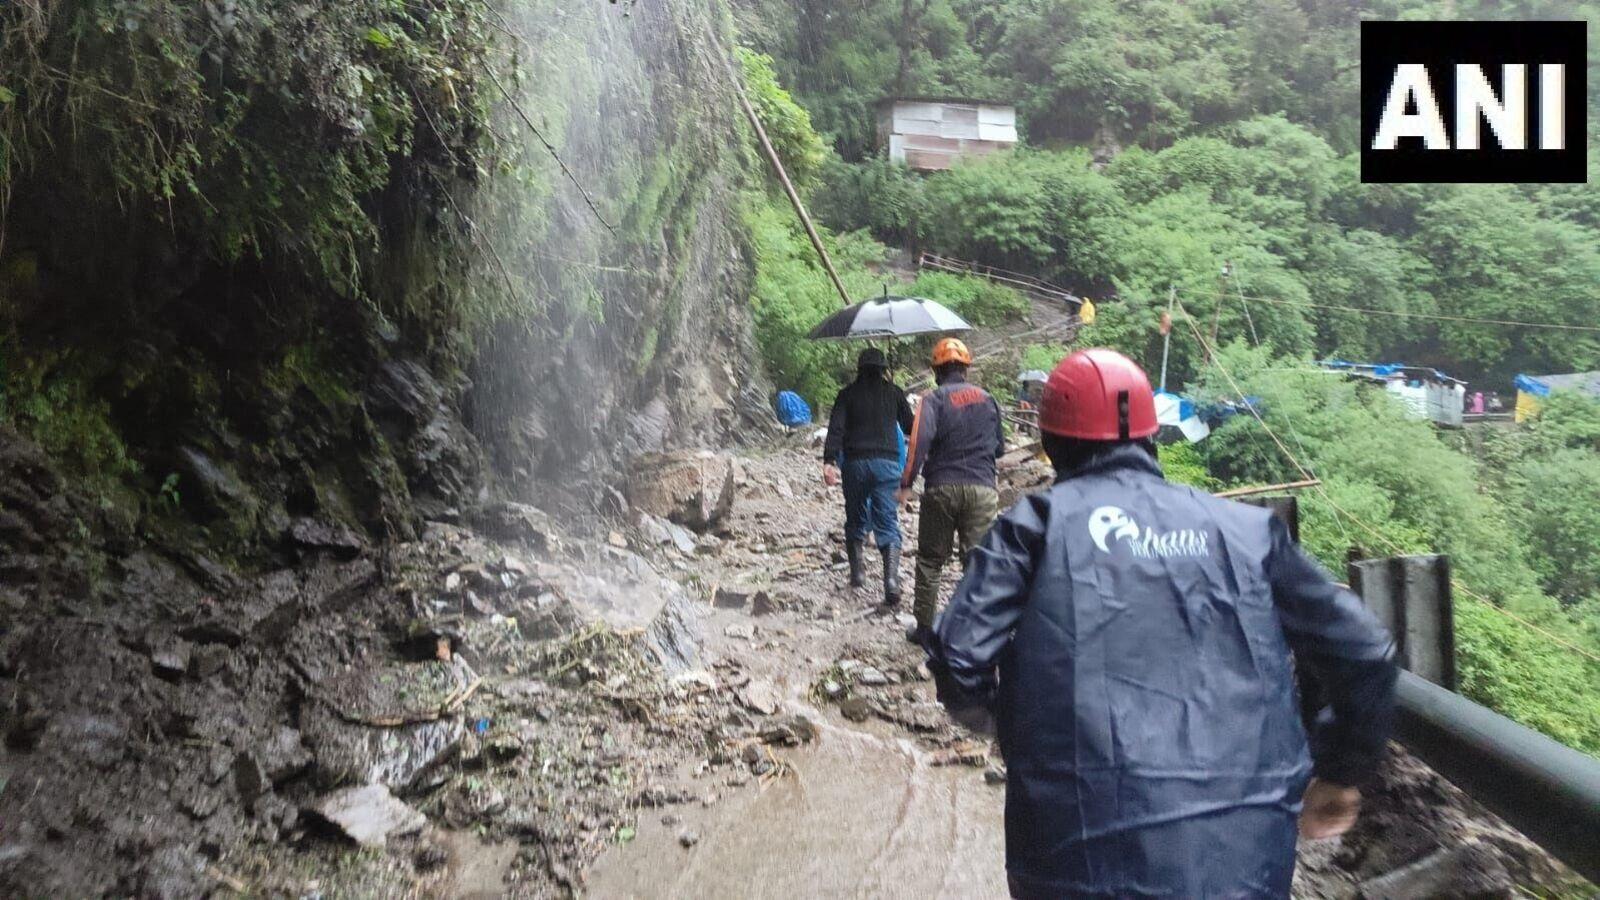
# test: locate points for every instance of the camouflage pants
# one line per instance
(949, 512)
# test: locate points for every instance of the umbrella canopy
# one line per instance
(886, 317)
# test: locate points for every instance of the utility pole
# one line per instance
(1222, 295)
(1166, 332)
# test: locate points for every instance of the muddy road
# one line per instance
(515, 706)
(890, 800)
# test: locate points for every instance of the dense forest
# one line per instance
(1162, 141)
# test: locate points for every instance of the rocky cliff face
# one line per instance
(635, 261)
(547, 273)
(217, 469)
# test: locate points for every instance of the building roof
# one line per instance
(1542, 385)
(1384, 371)
(963, 101)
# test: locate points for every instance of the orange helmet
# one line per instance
(951, 350)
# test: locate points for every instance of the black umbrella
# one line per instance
(888, 317)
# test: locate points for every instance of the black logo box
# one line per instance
(1441, 46)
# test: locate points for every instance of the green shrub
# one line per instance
(786, 122)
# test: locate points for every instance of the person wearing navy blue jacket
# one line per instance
(1132, 640)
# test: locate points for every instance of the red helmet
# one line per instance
(1098, 395)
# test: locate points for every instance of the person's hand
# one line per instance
(1329, 811)
(830, 474)
(903, 496)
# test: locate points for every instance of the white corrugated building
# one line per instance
(930, 133)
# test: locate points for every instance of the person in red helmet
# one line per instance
(1131, 640)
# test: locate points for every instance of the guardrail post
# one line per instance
(1285, 507)
(1411, 596)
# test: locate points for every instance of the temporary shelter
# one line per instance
(930, 133)
(1532, 389)
(1427, 393)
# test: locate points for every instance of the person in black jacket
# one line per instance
(1132, 639)
(865, 432)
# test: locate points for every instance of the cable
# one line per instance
(1383, 538)
(1440, 317)
(1287, 418)
(1249, 319)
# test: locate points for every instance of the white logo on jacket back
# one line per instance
(1112, 522)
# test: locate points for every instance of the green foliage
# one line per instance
(1505, 665)
(168, 499)
(1393, 487)
(787, 124)
(1560, 493)
(878, 195)
(1043, 357)
(792, 294)
(266, 128)
(1183, 464)
(49, 399)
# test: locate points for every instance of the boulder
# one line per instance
(735, 597)
(170, 659)
(694, 489)
(368, 815)
(336, 539)
(508, 521)
(213, 484)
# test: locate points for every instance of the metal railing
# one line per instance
(1543, 788)
(1022, 282)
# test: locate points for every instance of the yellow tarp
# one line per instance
(1527, 406)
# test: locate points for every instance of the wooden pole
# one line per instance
(788, 187)
(1269, 488)
(1166, 339)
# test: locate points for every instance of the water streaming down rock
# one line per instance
(625, 328)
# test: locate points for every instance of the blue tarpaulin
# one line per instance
(1531, 385)
(793, 410)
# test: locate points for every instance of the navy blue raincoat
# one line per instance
(1145, 698)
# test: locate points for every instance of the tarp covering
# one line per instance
(1533, 388)
(1542, 385)
(793, 411)
(1532, 384)
(1389, 370)
(1181, 413)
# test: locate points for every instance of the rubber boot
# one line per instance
(891, 576)
(858, 571)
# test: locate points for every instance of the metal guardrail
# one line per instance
(1412, 597)
(1545, 789)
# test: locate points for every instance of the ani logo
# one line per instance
(1111, 522)
(1474, 101)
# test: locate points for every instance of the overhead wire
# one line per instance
(1340, 510)
(1288, 420)
(1405, 314)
